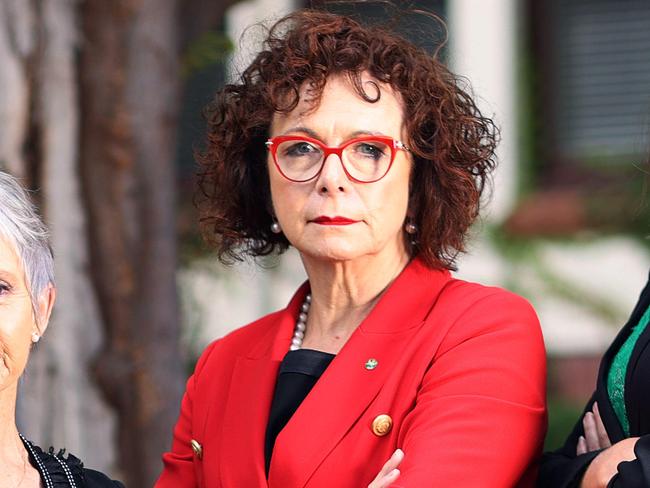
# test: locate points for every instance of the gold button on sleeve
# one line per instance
(196, 447)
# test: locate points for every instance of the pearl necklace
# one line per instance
(301, 324)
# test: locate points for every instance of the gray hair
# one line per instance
(21, 226)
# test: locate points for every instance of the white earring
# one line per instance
(410, 228)
(275, 228)
(35, 337)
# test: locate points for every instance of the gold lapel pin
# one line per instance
(196, 447)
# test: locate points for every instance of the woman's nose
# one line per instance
(332, 177)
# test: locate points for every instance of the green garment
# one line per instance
(618, 372)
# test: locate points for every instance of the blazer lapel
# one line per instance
(249, 402)
(634, 394)
(605, 407)
(347, 387)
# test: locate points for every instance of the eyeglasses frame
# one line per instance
(273, 143)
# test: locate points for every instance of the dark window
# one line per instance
(586, 119)
(420, 28)
(596, 72)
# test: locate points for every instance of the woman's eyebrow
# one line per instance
(304, 130)
(7, 276)
(357, 133)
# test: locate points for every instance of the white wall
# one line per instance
(482, 40)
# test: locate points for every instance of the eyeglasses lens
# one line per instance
(366, 160)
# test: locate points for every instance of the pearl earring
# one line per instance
(35, 337)
(410, 228)
(275, 228)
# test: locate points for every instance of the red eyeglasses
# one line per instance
(364, 159)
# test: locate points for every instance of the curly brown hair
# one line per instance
(452, 143)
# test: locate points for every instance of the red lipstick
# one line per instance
(337, 220)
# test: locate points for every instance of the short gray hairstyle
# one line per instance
(21, 226)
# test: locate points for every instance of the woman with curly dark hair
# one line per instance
(363, 152)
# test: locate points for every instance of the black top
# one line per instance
(61, 471)
(563, 468)
(299, 372)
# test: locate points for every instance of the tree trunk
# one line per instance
(87, 421)
(129, 75)
(59, 403)
(89, 93)
(16, 45)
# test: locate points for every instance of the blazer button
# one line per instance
(382, 425)
(196, 447)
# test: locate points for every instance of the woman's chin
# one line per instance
(333, 253)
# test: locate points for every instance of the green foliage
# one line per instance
(528, 120)
(562, 416)
(210, 48)
(191, 245)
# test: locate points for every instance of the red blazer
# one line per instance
(461, 372)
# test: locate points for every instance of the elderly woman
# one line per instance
(27, 295)
(361, 151)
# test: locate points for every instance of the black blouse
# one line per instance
(299, 372)
(58, 470)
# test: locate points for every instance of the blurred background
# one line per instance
(100, 110)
